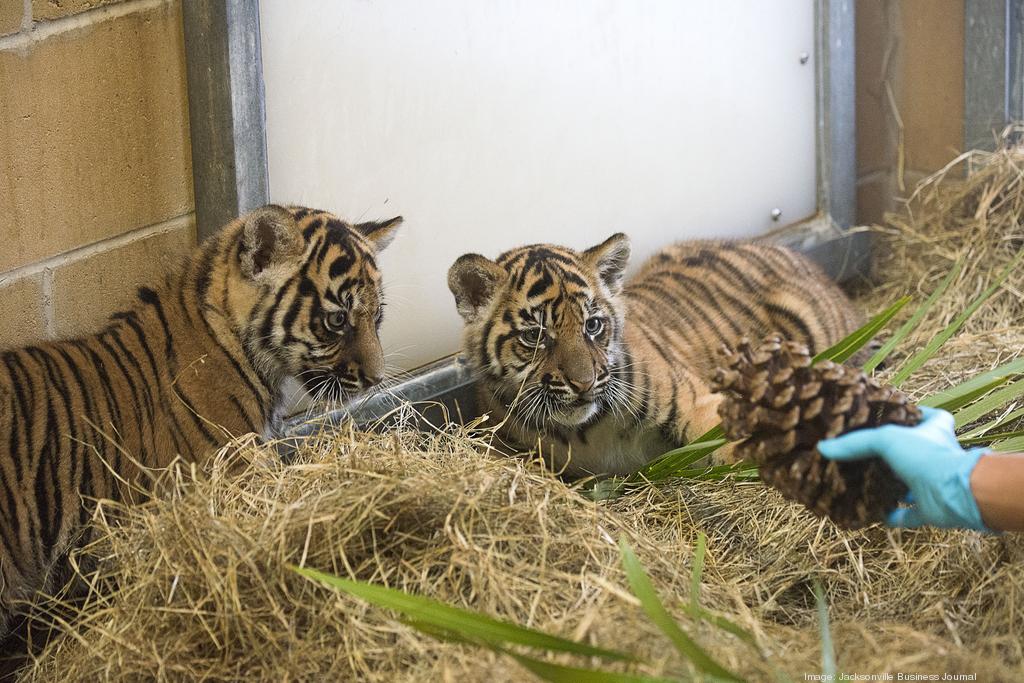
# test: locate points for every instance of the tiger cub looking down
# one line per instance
(602, 378)
(279, 293)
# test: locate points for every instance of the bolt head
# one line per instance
(804, 57)
(776, 214)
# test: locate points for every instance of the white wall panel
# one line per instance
(493, 123)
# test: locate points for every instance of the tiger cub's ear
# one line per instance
(380, 233)
(609, 259)
(270, 238)
(474, 279)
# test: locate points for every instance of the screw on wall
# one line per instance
(804, 57)
(776, 214)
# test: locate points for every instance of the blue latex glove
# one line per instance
(931, 463)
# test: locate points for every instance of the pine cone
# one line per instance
(780, 406)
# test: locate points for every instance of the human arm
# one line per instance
(998, 486)
(949, 486)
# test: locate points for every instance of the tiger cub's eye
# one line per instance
(335, 321)
(532, 336)
(594, 326)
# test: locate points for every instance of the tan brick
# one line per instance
(93, 135)
(21, 311)
(11, 13)
(43, 10)
(85, 292)
(932, 98)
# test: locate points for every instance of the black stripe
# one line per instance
(241, 411)
(257, 397)
(111, 449)
(642, 293)
(26, 411)
(44, 511)
(10, 531)
(541, 285)
(716, 264)
(79, 386)
(711, 297)
(142, 397)
(153, 300)
(797, 321)
(168, 409)
(341, 265)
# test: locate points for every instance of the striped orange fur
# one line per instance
(279, 293)
(601, 377)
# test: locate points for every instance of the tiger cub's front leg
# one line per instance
(687, 408)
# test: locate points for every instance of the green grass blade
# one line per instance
(698, 612)
(1012, 445)
(828, 652)
(991, 438)
(725, 625)
(645, 592)
(698, 568)
(982, 430)
(558, 673)
(922, 356)
(712, 434)
(740, 471)
(854, 341)
(460, 622)
(996, 399)
(667, 464)
(915, 319)
(957, 397)
(545, 670)
(969, 390)
(606, 489)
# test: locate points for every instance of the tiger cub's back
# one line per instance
(706, 294)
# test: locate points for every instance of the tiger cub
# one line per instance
(602, 377)
(279, 293)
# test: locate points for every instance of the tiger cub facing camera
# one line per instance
(602, 377)
(278, 294)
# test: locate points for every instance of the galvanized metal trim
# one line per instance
(443, 391)
(837, 136)
(993, 69)
(1015, 60)
(844, 254)
(226, 109)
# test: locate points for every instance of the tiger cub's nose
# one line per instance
(582, 384)
(372, 378)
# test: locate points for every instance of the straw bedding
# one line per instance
(194, 585)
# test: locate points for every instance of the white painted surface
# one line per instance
(489, 124)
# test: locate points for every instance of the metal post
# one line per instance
(226, 109)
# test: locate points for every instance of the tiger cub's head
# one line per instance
(544, 327)
(313, 303)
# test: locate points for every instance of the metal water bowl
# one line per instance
(440, 393)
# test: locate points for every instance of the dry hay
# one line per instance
(204, 592)
(970, 212)
(201, 589)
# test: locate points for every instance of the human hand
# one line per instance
(930, 462)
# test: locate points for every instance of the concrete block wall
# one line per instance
(95, 164)
(910, 97)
